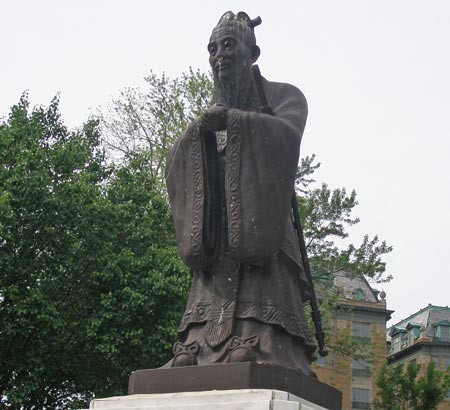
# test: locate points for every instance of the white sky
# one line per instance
(376, 75)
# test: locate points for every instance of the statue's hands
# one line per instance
(215, 118)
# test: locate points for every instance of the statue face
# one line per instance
(228, 52)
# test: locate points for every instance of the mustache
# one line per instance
(223, 63)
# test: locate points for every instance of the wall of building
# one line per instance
(339, 369)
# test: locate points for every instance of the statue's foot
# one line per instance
(185, 354)
(243, 350)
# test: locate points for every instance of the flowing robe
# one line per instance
(232, 216)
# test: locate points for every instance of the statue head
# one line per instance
(233, 43)
(232, 51)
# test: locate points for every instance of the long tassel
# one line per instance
(217, 333)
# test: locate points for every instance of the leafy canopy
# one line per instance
(403, 387)
(91, 287)
(149, 120)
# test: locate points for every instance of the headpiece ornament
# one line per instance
(242, 22)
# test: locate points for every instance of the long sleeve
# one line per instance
(261, 158)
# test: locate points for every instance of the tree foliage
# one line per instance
(91, 287)
(326, 216)
(403, 387)
(148, 120)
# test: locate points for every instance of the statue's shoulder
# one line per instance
(277, 91)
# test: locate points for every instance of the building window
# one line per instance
(395, 343)
(360, 368)
(446, 363)
(361, 331)
(359, 294)
(447, 396)
(397, 340)
(321, 361)
(327, 361)
(443, 333)
(360, 398)
(411, 337)
(333, 328)
(413, 334)
(436, 362)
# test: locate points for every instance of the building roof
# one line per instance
(355, 288)
(427, 318)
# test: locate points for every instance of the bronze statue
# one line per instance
(230, 178)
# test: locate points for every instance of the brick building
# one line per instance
(422, 337)
(361, 315)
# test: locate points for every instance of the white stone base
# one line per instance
(252, 399)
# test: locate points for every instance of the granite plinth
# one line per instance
(256, 399)
(233, 376)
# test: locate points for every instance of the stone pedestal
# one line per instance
(248, 399)
(231, 386)
(235, 376)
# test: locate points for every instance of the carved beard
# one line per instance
(235, 88)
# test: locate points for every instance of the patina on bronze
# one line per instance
(230, 178)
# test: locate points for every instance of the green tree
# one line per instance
(50, 183)
(326, 215)
(403, 387)
(148, 120)
(91, 287)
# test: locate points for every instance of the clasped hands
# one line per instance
(215, 118)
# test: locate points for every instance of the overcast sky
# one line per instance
(376, 75)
